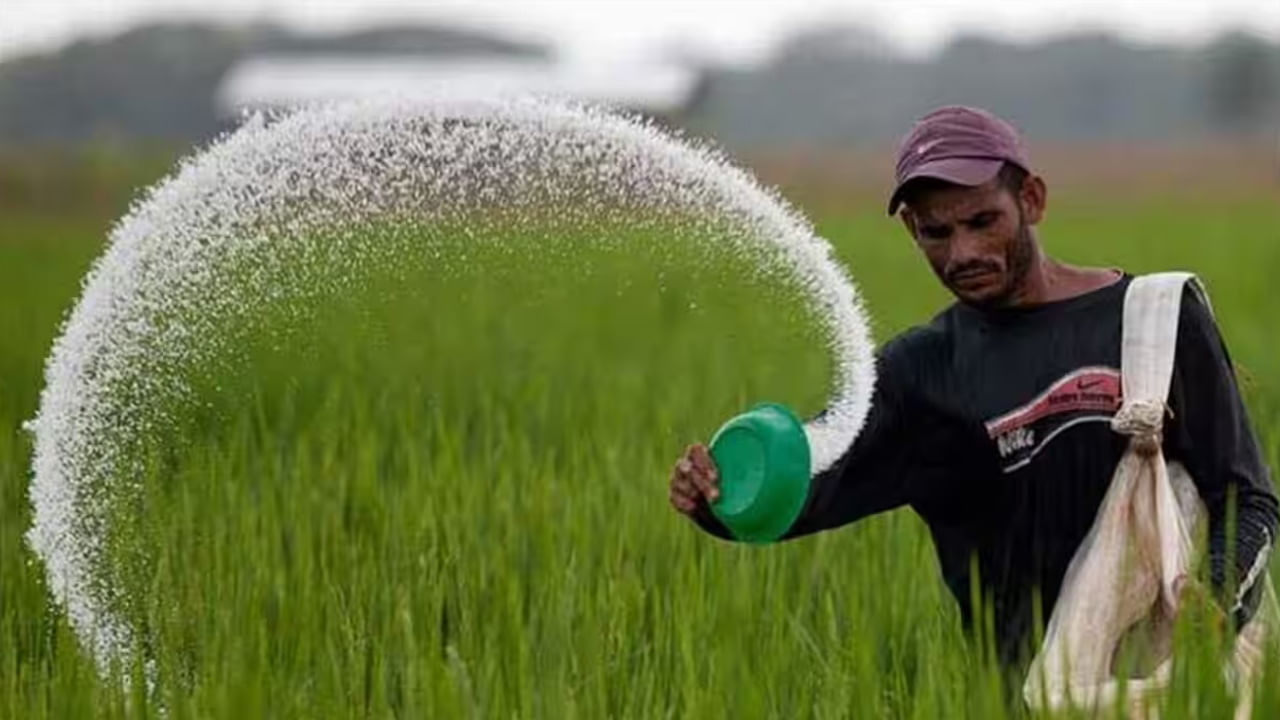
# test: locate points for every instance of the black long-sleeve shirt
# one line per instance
(994, 426)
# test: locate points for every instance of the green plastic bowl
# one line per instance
(762, 457)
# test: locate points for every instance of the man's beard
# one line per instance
(1020, 256)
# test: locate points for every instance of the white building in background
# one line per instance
(273, 82)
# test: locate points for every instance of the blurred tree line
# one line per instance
(845, 84)
(829, 84)
(157, 83)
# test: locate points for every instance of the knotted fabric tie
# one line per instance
(1143, 420)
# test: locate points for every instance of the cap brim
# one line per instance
(961, 171)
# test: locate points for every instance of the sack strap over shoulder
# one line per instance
(1151, 308)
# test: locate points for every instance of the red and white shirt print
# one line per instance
(1088, 394)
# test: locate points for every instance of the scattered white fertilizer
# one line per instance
(241, 221)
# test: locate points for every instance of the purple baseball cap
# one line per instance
(958, 144)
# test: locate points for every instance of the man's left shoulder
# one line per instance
(1195, 316)
(1195, 312)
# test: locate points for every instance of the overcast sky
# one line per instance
(615, 29)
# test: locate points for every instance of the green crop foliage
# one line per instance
(443, 493)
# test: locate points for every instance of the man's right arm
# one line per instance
(872, 476)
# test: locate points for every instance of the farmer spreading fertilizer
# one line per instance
(1003, 421)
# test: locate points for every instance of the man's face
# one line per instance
(978, 239)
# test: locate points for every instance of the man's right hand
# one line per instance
(694, 480)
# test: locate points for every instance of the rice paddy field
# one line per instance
(443, 494)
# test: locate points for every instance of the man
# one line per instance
(992, 422)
